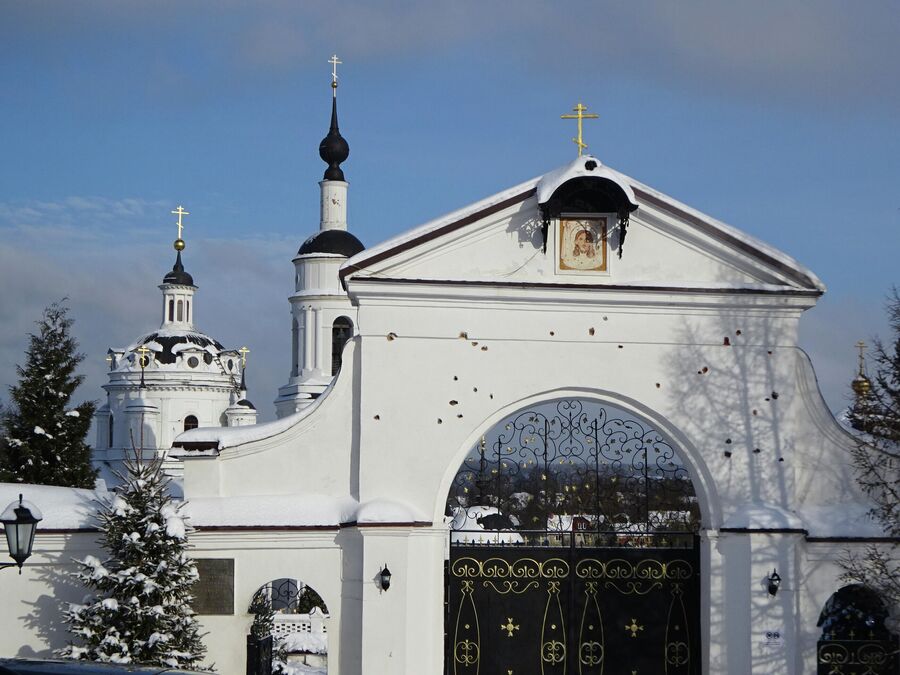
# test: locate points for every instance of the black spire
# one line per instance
(178, 275)
(334, 148)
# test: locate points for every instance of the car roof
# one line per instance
(10, 666)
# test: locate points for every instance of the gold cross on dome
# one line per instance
(580, 116)
(180, 212)
(143, 360)
(244, 351)
(334, 64)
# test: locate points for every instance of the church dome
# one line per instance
(178, 275)
(246, 404)
(336, 242)
(166, 345)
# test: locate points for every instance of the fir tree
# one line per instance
(43, 438)
(141, 610)
(876, 457)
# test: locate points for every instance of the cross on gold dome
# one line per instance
(244, 351)
(580, 116)
(334, 64)
(861, 346)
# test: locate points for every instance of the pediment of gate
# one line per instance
(583, 224)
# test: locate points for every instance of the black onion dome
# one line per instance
(169, 340)
(334, 149)
(338, 242)
(178, 275)
(244, 402)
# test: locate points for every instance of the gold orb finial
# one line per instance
(178, 244)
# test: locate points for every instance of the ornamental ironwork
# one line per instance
(573, 473)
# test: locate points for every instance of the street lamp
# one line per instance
(384, 578)
(20, 520)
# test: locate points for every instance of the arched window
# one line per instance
(180, 310)
(295, 347)
(109, 431)
(187, 313)
(341, 331)
(171, 310)
(190, 422)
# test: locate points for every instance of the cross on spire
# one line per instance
(334, 64)
(180, 212)
(580, 115)
(244, 351)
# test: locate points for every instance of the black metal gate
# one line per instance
(524, 610)
(573, 550)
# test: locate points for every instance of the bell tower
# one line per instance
(322, 318)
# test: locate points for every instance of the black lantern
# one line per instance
(384, 578)
(20, 522)
(774, 582)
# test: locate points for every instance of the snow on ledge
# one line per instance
(270, 511)
(387, 511)
(847, 519)
(62, 508)
(548, 183)
(760, 516)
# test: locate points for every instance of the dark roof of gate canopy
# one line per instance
(339, 242)
(587, 194)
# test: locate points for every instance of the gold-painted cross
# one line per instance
(180, 212)
(580, 115)
(244, 351)
(334, 64)
(143, 360)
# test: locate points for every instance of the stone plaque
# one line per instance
(214, 592)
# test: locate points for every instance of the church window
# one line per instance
(109, 431)
(187, 310)
(341, 331)
(171, 310)
(207, 358)
(190, 422)
(180, 310)
(295, 346)
(193, 361)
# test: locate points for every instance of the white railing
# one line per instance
(289, 624)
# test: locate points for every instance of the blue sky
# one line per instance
(778, 118)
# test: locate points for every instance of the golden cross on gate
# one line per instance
(580, 115)
(180, 212)
(244, 351)
(334, 64)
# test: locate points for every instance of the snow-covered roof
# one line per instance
(543, 187)
(583, 167)
(62, 508)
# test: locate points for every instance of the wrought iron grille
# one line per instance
(287, 596)
(573, 473)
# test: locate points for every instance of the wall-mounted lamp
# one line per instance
(20, 521)
(384, 578)
(774, 582)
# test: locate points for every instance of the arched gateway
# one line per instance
(574, 548)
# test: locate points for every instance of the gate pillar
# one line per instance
(403, 627)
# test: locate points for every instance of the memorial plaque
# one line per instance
(214, 592)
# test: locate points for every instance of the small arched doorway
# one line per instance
(294, 619)
(573, 548)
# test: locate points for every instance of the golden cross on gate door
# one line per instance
(580, 115)
(180, 212)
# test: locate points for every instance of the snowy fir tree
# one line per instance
(43, 439)
(876, 413)
(141, 609)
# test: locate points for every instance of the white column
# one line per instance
(320, 339)
(333, 213)
(308, 337)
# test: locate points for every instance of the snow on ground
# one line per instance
(302, 669)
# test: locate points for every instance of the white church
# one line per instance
(565, 429)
